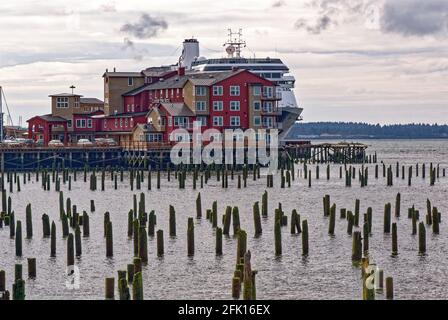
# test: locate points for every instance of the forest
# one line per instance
(328, 130)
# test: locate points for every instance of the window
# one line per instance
(181, 121)
(76, 103)
(202, 120)
(126, 122)
(268, 122)
(80, 123)
(116, 122)
(235, 121)
(234, 106)
(234, 90)
(200, 105)
(69, 123)
(217, 105)
(62, 102)
(105, 124)
(217, 121)
(218, 90)
(121, 122)
(257, 105)
(166, 93)
(257, 121)
(268, 92)
(89, 123)
(257, 91)
(130, 81)
(267, 107)
(200, 91)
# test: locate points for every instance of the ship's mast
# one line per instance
(1, 115)
(235, 43)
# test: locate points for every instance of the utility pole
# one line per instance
(1, 115)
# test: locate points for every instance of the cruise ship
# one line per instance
(272, 69)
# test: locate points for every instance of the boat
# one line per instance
(272, 69)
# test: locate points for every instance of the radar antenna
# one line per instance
(235, 43)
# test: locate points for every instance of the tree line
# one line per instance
(366, 130)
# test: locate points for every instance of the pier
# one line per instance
(341, 152)
(143, 155)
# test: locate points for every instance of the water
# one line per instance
(327, 273)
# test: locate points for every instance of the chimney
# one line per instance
(234, 68)
(107, 70)
(181, 71)
(114, 69)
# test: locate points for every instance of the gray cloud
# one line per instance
(147, 27)
(278, 4)
(321, 24)
(415, 17)
(128, 43)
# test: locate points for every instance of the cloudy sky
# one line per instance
(377, 61)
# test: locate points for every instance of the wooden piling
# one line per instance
(109, 284)
(53, 240)
(389, 288)
(218, 246)
(31, 268)
(257, 219)
(394, 240)
(109, 240)
(190, 237)
(172, 221)
(305, 246)
(18, 240)
(160, 245)
(70, 250)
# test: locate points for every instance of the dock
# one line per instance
(144, 155)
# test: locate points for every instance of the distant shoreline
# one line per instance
(356, 130)
(368, 138)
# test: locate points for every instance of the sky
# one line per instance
(375, 61)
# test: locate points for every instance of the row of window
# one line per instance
(80, 123)
(62, 102)
(268, 106)
(201, 91)
(235, 91)
(121, 123)
(165, 93)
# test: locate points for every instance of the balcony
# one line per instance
(274, 96)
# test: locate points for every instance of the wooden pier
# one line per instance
(342, 152)
(144, 155)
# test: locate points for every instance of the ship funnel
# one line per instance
(190, 53)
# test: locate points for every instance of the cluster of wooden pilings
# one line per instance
(142, 225)
(361, 236)
(331, 152)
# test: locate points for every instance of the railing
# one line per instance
(22, 146)
(143, 145)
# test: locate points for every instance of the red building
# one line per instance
(166, 101)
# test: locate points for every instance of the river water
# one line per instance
(327, 273)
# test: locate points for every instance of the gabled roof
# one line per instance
(178, 109)
(91, 101)
(122, 74)
(127, 114)
(145, 127)
(49, 118)
(65, 95)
